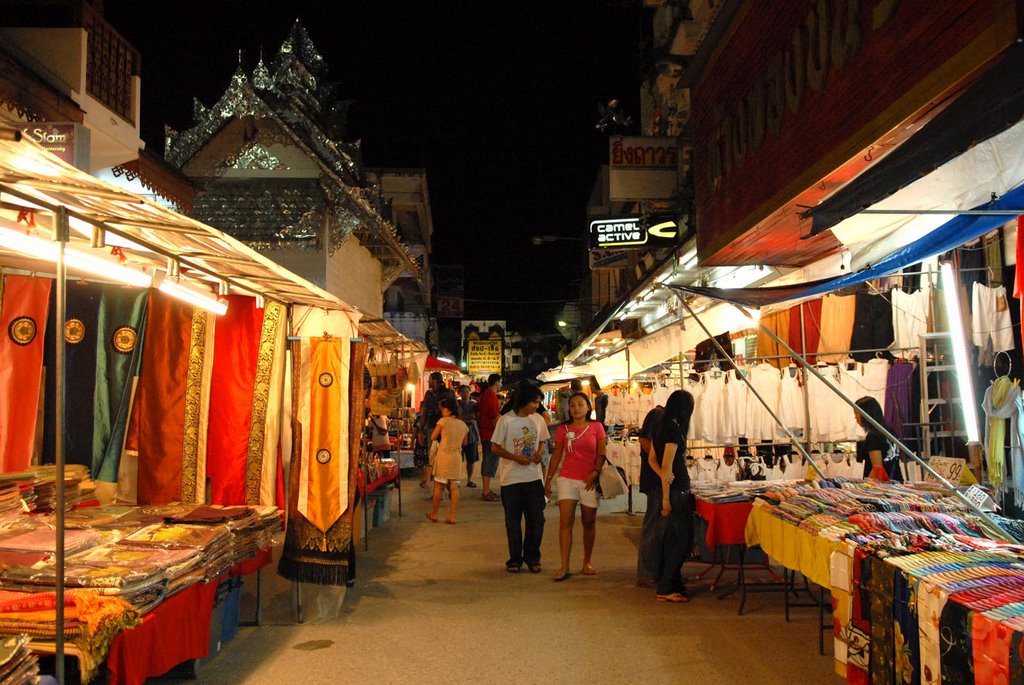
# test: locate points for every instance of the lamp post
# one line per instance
(541, 239)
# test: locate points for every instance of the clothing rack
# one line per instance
(816, 354)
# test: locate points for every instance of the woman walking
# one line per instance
(518, 441)
(582, 442)
(676, 501)
(448, 469)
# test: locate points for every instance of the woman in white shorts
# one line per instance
(582, 443)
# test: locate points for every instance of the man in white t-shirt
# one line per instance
(519, 440)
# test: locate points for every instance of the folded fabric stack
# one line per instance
(252, 528)
(90, 621)
(212, 543)
(10, 501)
(731, 491)
(17, 664)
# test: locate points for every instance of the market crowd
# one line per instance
(529, 453)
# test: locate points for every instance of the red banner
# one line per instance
(22, 324)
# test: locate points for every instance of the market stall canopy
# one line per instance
(990, 106)
(143, 233)
(381, 332)
(435, 364)
(951, 234)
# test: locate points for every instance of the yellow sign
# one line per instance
(484, 357)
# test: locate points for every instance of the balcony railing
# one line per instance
(112, 64)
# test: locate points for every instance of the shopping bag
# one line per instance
(610, 481)
(434, 446)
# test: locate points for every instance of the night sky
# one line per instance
(497, 101)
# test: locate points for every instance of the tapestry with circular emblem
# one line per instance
(323, 456)
(326, 379)
(22, 330)
(124, 339)
(74, 331)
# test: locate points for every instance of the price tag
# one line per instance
(949, 468)
(977, 495)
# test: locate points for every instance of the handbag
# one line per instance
(610, 482)
(434, 446)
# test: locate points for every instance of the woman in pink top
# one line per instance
(582, 443)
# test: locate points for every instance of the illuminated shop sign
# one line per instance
(633, 232)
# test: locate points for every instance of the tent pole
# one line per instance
(60, 228)
(785, 428)
(986, 519)
(807, 398)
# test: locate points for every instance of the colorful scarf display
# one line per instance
(23, 315)
(327, 400)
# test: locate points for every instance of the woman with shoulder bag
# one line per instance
(677, 504)
(582, 442)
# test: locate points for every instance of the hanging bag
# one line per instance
(610, 482)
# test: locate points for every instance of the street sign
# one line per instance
(602, 258)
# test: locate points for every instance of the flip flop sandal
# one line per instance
(560, 577)
(512, 568)
(535, 568)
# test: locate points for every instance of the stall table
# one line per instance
(392, 475)
(727, 524)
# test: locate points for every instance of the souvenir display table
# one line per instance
(140, 581)
(920, 592)
(388, 472)
(726, 508)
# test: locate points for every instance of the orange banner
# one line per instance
(324, 455)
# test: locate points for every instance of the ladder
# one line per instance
(938, 413)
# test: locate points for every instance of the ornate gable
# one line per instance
(286, 103)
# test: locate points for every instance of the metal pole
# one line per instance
(807, 397)
(60, 228)
(957, 212)
(726, 355)
(986, 519)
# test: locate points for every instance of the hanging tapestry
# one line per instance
(245, 397)
(172, 401)
(81, 305)
(121, 327)
(264, 463)
(22, 325)
(327, 400)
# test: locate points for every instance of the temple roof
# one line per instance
(290, 98)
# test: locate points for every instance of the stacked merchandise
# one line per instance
(212, 543)
(734, 491)
(37, 488)
(10, 501)
(920, 593)
(121, 562)
(251, 528)
(18, 665)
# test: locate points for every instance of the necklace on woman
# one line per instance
(571, 435)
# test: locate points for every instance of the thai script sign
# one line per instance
(643, 168)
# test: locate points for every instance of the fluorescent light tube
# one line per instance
(76, 260)
(194, 297)
(951, 295)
